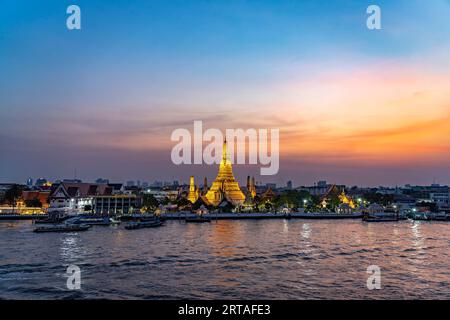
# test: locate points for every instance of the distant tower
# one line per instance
(193, 191)
(289, 185)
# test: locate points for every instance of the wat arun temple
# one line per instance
(224, 188)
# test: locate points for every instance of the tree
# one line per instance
(149, 201)
(431, 206)
(12, 194)
(292, 199)
(226, 207)
(182, 202)
(382, 199)
(34, 203)
(165, 201)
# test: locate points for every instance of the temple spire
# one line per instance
(225, 186)
(225, 151)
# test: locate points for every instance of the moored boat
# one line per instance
(50, 220)
(380, 219)
(114, 221)
(145, 224)
(34, 217)
(63, 228)
(92, 221)
(137, 217)
(441, 216)
(420, 216)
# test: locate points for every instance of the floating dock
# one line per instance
(22, 216)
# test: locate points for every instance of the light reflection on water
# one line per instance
(270, 259)
(69, 248)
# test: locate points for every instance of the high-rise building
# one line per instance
(272, 186)
(41, 182)
(289, 185)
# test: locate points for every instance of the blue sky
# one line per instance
(143, 68)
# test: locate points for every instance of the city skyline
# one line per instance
(104, 100)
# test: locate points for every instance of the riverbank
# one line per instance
(215, 216)
(237, 216)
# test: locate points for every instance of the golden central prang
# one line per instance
(225, 186)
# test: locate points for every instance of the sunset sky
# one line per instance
(353, 106)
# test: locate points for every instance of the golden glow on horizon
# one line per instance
(386, 114)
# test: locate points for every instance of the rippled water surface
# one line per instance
(251, 259)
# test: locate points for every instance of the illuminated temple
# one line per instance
(225, 187)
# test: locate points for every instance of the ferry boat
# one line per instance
(91, 220)
(51, 220)
(62, 228)
(56, 215)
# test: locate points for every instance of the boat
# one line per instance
(51, 220)
(380, 219)
(34, 217)
(137, 217)
(56, 216)
(63, 228)
(441, 216)
(420, 216)
(198, 219)
(145, 224)
(149, 218)
(92, 221)
(114, 221)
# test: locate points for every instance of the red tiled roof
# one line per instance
(31, 195)
(87, 189)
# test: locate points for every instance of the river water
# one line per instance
(240, 259)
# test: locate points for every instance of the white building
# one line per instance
(92, 198)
